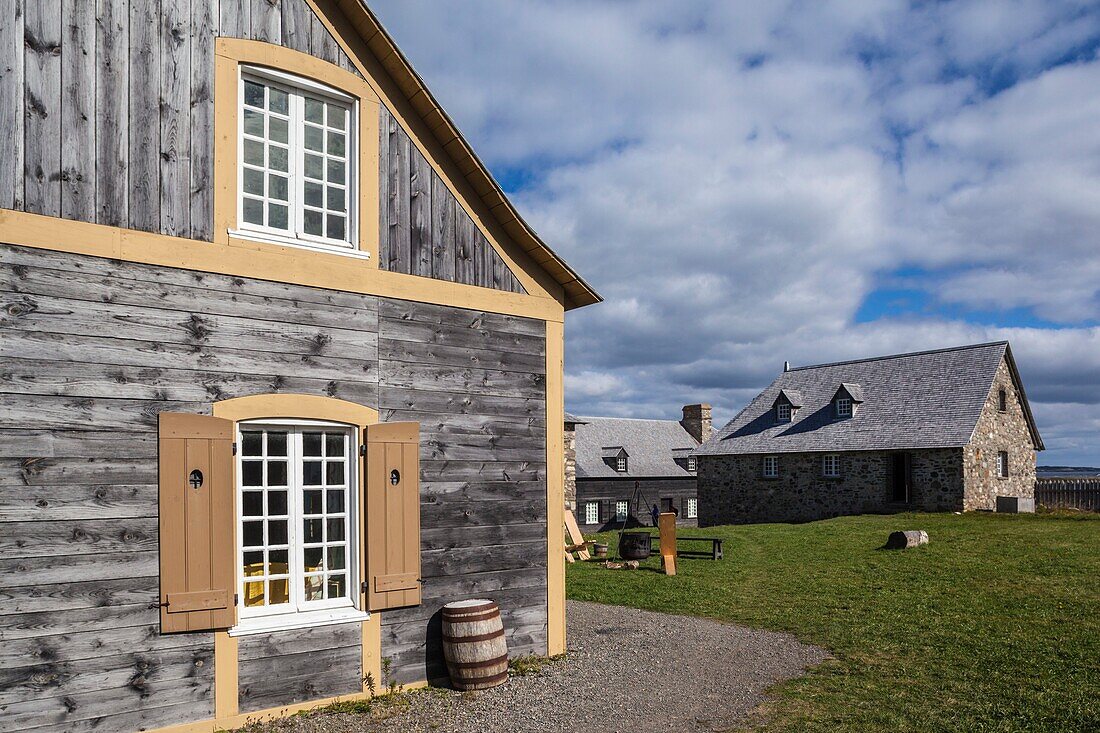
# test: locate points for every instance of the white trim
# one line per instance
(850, 407)
(270, 238)
(773, 461)
(620, 464)
(779, 409)
(588, 505)
(828, 458)
(625, 512)
(691, 510)
(303, 620)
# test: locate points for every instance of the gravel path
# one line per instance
(626, 670)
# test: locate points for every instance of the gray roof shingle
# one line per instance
(929, 399)
(649, 443)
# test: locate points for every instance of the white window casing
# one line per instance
(783, 412)
(692, 463)
(830, 465)
(592, 512)
(620, 464)
(771, 466)
(622, 508)
(298, 544)
(298, 163)
(692, 510)
(843, 406)
(1002, 464)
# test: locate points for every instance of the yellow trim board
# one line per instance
(555, 488)
(226, 669)
(262, 261)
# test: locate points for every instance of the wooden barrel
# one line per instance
(474, 645)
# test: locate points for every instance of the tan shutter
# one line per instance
(197, 558)
(392, 516)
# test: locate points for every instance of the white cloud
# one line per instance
(735, 178)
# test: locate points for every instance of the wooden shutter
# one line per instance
(392, 506)
(197, 557)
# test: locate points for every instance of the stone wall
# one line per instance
(732, 489)
(570, 466)
(999, 431)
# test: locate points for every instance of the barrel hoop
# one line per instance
(495, 613)
(476, 637)
(483, 608)
(494, 680)
(479, 665)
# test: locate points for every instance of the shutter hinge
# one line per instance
(362, 449)
(363, 587)
(234, 447)
(234, 599)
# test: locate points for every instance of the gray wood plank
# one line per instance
(78, 81)
(109, 641)
(88, 536)
(12, 101)
(460, 318)
(112, 84)
(235, 19)
(295, 25)
(462, 514)
(301, 677)
(323, 45)
(482, 471)
(265, 21)
(40, 412)
(443, 230)
(143, 156)
(283, 643)
(51, 503)
(424, 402)
(475, 381)
(461, 356)
(175, 120)
(399, 152)
(24, 443)
(387, 211)
(459, 423)
(433, 538)
(17, 572)
(465, 243)
(420, 214)
(90, 594)
(487, 448)
(204, 19)
(482, 262)
(54, 623)
(42, 78)
(473, 336)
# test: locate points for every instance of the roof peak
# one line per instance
(900, 356)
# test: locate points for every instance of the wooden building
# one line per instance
(278, 364)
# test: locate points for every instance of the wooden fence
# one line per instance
(1069, 493)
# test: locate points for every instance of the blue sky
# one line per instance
(748, 183)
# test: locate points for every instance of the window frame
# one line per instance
(302, 613)
(691, 508)
(692, 464)
(834, 471)
(621, 464)
(780, 409)
(588, 507)
(849, 407)
(626, 510)
(773, 462)
(1002, 400)
(1002, 464)
(295, 86)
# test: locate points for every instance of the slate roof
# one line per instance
(929, 399)
(649, 443)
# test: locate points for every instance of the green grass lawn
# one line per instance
(993, 626)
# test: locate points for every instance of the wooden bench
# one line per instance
(714, 553)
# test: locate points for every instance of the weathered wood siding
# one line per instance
(107, 107)
(476, 384)
(423, 230)
(608, 491)
(93, 349)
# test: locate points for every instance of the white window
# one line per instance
(830, 465)
(843, 406)
(771, 466)
(783, 412)
(622, 508)
(1002, 464)
(592, 512)
(692, 465)
(692, 508)
(297, 162)
(297, 538)
(620, 464)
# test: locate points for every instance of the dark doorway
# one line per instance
(666, 505)
(901, 477)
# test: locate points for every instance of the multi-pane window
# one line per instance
(622, 508)
(783, 412)
(692, 465)
(296, 163)
(843, 406)
(1002, 464)
(296, 524)
(592, 512)
(830, 465)
(692, 508)
(620, 464)
(771, 466)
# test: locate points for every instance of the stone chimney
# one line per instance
(697, 422)
(570, 462)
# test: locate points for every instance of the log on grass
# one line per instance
(907, 539)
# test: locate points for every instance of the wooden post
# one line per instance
(667, 524)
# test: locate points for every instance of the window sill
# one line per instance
(298, 243)
(291, 621)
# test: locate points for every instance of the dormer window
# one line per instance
(691, 464)
(620, 464)
(783, 412)
(785, 405)
(843, 406)
(847, 399)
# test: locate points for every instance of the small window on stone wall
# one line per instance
(1002, 464)
(1002, 401)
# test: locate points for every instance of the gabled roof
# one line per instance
(929, 399)
(854, 391)
(572, 420)
(613, 451)
(577, 292)
(792, 396)
(650, 444)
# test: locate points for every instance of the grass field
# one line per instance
(993, 626)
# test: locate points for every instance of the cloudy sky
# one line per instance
(753, 182)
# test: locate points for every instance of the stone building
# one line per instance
(943, 430)
(606, 457)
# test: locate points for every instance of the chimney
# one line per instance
(697, 421)
(786, 366)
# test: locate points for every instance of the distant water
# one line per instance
(1067, 471)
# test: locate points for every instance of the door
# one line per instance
(901, 477)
